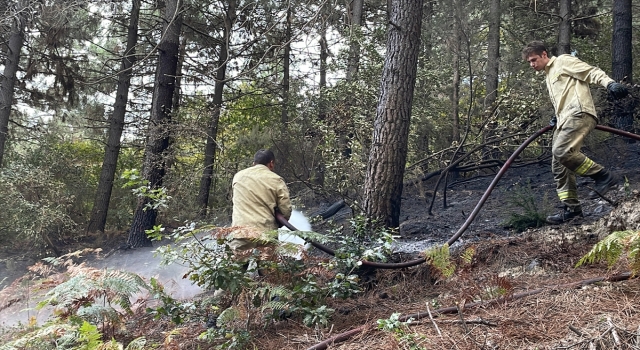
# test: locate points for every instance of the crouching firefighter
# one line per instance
(257, 193)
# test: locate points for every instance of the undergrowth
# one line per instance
(92, 306)
(89, 306)
(613, 248)
(277, 281)
(525, 210)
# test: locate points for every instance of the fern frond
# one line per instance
(137, 344)
(609, 249)
(440, 259)
(468, 255)
(84, 290)
(271, 290)
(228, 315)
(310, 236)
(97, 313)
(634, 252)
(89, 335)
(43, 337)
(275, 305)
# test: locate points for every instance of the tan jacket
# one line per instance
(257, 191)
(568, 80)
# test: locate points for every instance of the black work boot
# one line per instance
(565, 215)
(605, 180)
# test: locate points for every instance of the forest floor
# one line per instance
(521, 290)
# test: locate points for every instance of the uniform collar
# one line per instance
(260, 165)
(548, 66)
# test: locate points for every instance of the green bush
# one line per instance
(35, 207)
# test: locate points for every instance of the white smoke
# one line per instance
(142, 262)
(299, 221)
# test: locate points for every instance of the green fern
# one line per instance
(612, 247)
(80, 294)
(41, 338)
(467, 255)
(440, 259)
(89, 336)
(228, 315)
(137, 344)
(97, 313)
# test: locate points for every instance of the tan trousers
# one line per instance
(568, 161)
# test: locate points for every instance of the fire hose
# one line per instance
(283, 221)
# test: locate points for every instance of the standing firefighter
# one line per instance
(568, 80)
(257, 193)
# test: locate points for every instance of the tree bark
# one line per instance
(100, 209)
(161, 108)
(564, 30)
(422, 129)
(324, 55)
(622, 61)
(493, 54)
(8, 78)
(318, 168)
(455, 91)
(212, 133)
(621, 48)
(286, 62)
(388, 154)
(354, 13)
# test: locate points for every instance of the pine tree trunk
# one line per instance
(100, 209)
(622, 58)
(8, 78)
(161, 108)
(493, 54)
(564, 31)
(422, 129)
(354, 13)
(622, 61)
(455, 91)
(212, 134)
(286, 70)
(317, 175)
(388, 155)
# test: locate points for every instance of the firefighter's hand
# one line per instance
(617, 90)
(553, 121)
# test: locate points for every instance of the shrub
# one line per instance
(525, 209)
(34, 206)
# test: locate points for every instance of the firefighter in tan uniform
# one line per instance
(568, 80)
(257, 193)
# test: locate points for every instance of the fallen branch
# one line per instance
(433, 321)
(616, 338)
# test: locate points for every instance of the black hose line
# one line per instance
(281, 219)
(493, 184)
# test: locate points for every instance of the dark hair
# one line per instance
(264, 157)
(534, 47)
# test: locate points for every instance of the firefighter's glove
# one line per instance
(553, 121)
(617, 90)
